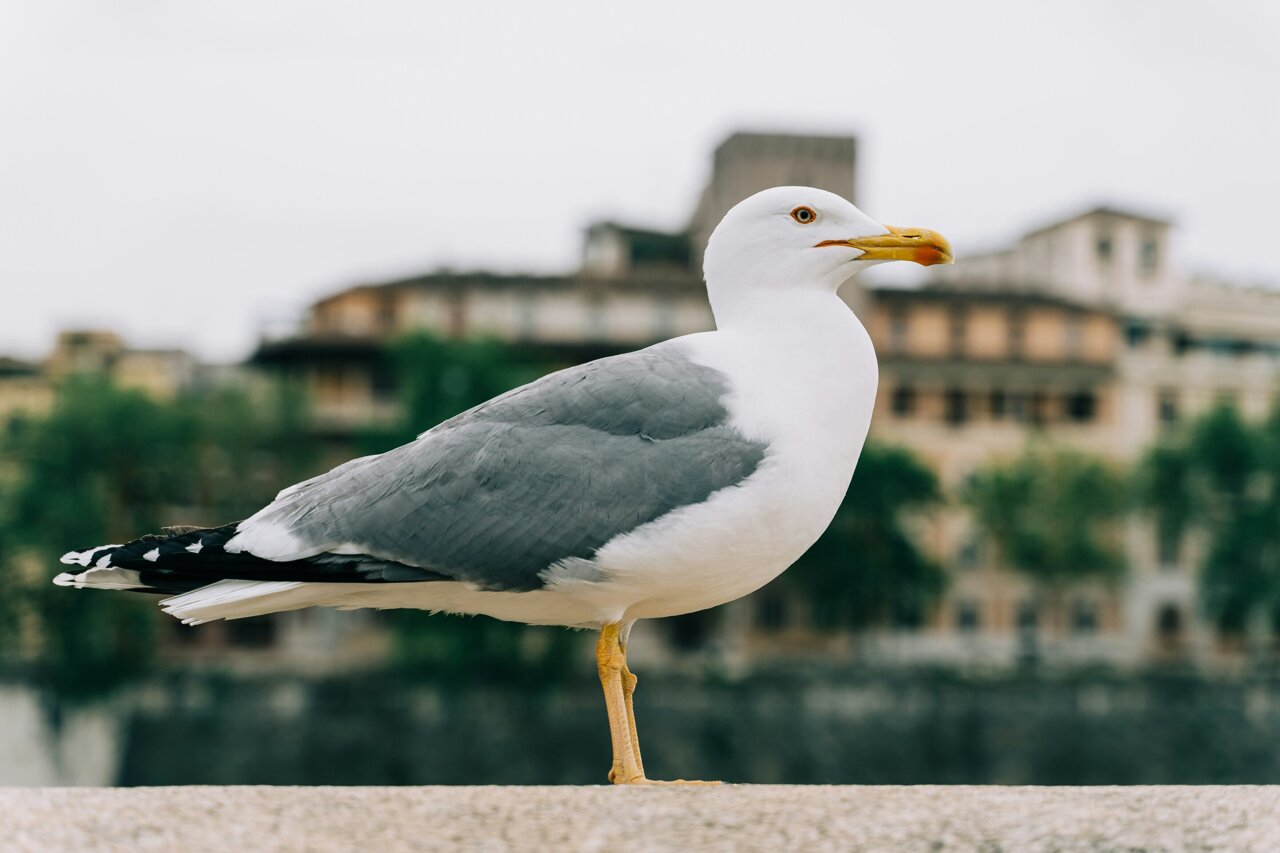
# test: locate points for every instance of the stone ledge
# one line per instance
(732, 817)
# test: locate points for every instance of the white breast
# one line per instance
(805, 385)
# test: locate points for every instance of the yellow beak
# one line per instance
(901, 244)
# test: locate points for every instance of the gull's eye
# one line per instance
(804, 214)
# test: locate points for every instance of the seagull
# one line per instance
(653, 483)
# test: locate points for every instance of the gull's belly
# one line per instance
(744, 537)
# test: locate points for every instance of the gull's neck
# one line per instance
(803, 340)
(801, 364)
(782, 311)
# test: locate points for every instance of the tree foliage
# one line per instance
(105, 465)
(1220, 477)
(438, 378)
(1053, 514)
(867, 566)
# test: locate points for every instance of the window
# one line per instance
(968, 555)
(1136, 335)
(1084, 617)
(1081, 406)
(1036, 408)
(383, 380)
(898, 330)
(1018, 406)
(1222, 347)
(955, 406)
(1169, 626)
(1167, 406)
(1028, 616)
(1149, 256)
(968, 617)
(999, 404)
(903, 401)
(1104, 249)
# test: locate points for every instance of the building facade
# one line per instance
(1080, 335)
(27, 388)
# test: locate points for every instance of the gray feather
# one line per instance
(548, 472)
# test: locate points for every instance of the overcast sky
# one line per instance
(186, 171)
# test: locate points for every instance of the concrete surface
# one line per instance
(730, 817)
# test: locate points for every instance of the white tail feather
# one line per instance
(237, 599)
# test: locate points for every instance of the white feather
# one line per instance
(236, 599)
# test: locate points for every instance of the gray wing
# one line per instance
(548, 472)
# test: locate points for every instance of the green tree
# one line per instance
(101, 464)
(1053, 514)
(438, 378)
(248, 443)
(867, 567)
(1220, 477)
(106, 465)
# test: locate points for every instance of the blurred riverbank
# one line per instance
(802, 725)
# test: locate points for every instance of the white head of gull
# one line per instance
(649, 484)
(789, 239)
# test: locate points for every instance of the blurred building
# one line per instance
(1081, 334)
(24, 390)
(746, 163)
(635, 286)
(339, 354)
(27, 387)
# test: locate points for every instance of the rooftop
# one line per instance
(1098, 211)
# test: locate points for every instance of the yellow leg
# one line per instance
(628, 690)
(611, 663)
(619, 685)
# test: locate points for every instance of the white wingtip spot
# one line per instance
(152, 555)
(65, 579)
(84, 558)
